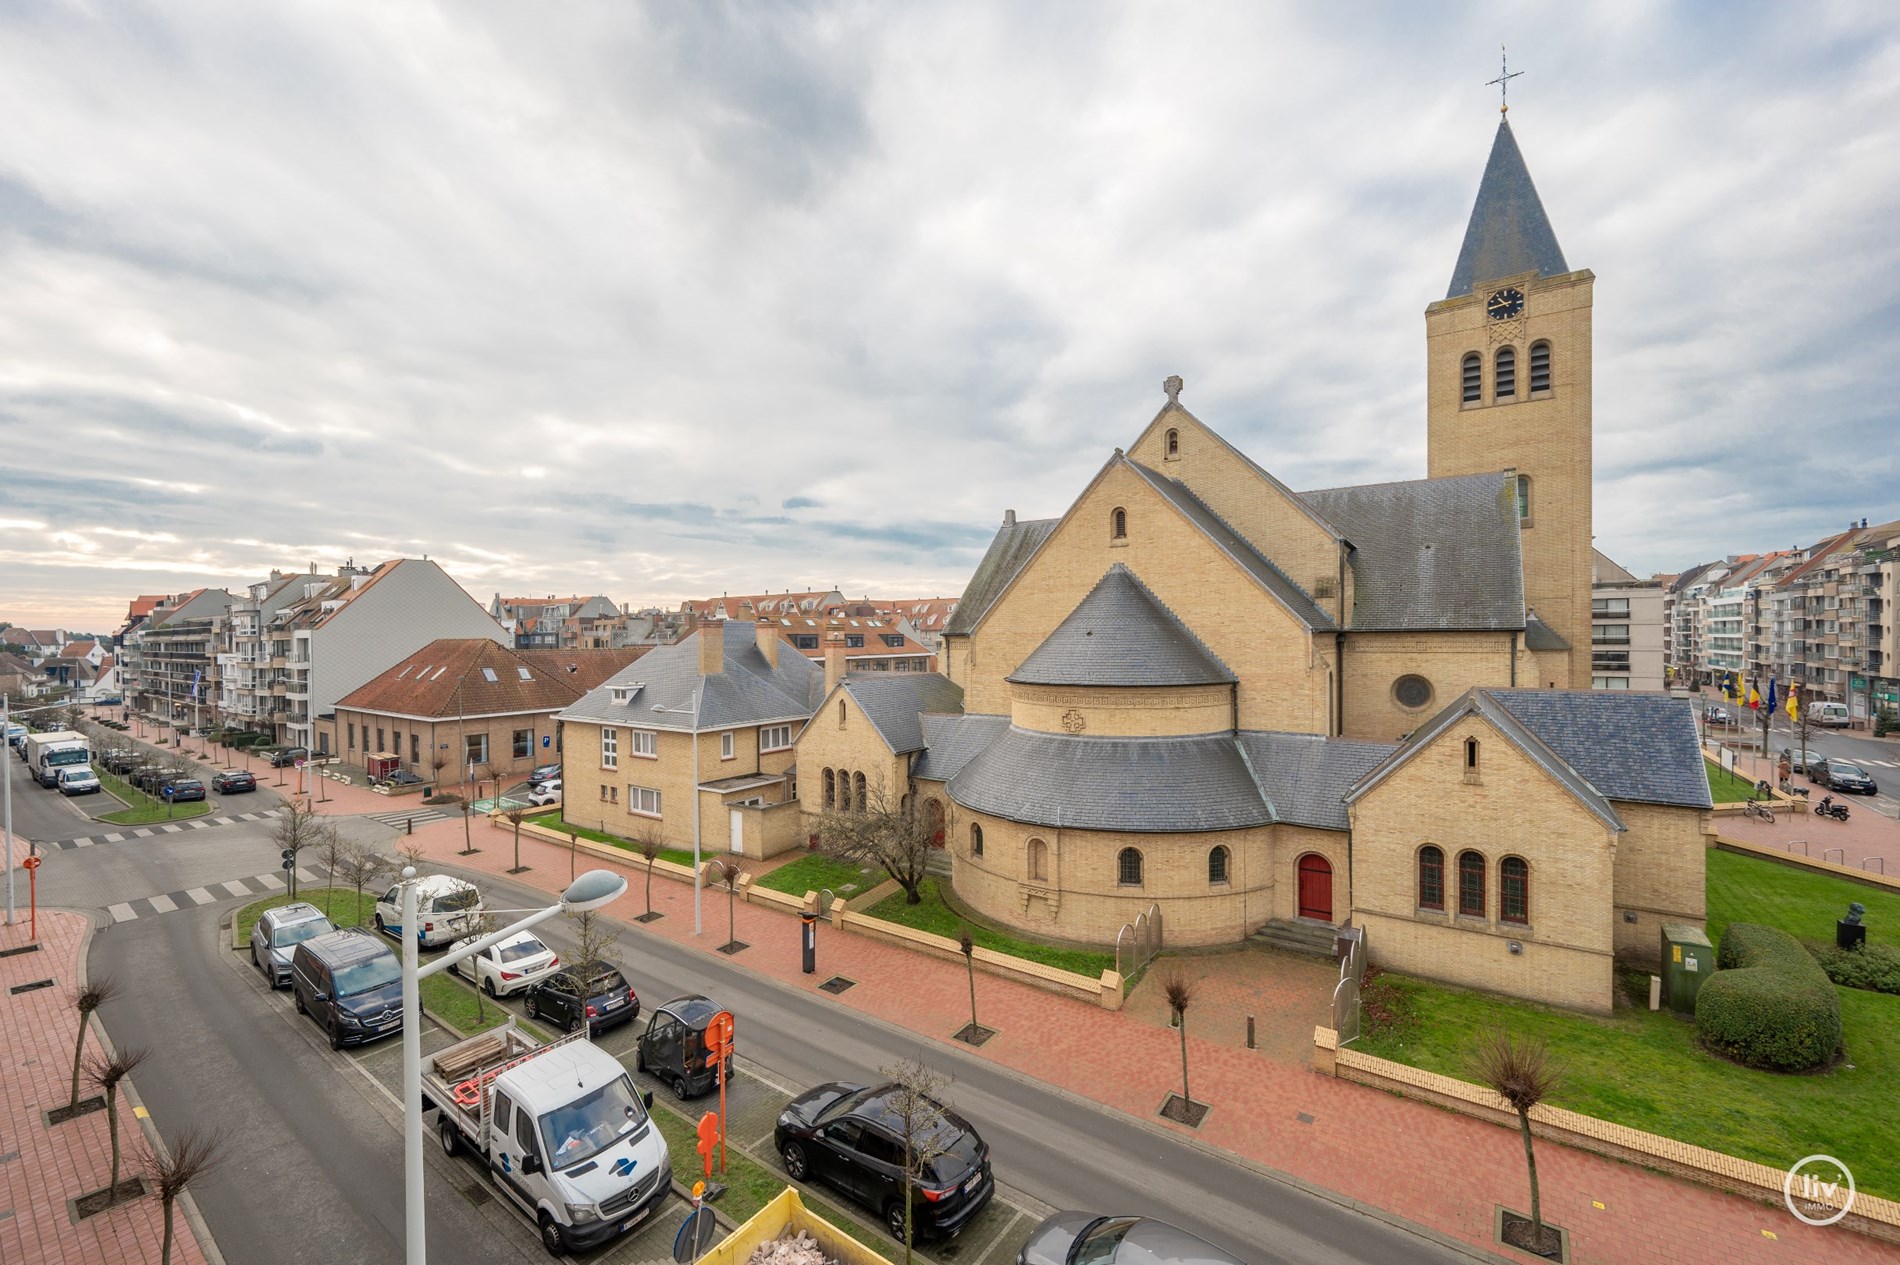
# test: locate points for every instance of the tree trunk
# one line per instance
(970, 962)
(649, 886)
(1181, 1019)
(732, 933)
(517, 843)
(165, 1252)
(1530, 1159)
(112, 1123)
(79, 1052)
(913, 888)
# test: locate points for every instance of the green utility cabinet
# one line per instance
(1687, 959)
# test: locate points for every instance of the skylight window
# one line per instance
(488, 675)
(524, 674)
(439, 671)
(405, 672)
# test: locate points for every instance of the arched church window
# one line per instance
(858, 791)
(1038, 861)
(1523, 498)
(1473, 378)
(1506, 373)
(1174, 443)
(841, 713)
(1217, 861)
(976, 839)
(1514, 890)
(831, 791)
(1471, 884)
(1471, 755)
(844, 790)
(1128, 867)
(1431, 877)
(1412, 691)
(1118, 524)
(1540, 366)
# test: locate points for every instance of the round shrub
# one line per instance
(1770, 1004)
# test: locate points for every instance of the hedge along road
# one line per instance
(1054, 1148)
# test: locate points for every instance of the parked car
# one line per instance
(146, 777)
(1839, 775)
(1830, 715)
(847, 1136)
(600, 997)
(516, 964)
(277, 933)
(119, 759)
(1801, 759)
(673, 1047)
(78, 780)
(549, 792)
(287, 757)
(181, 790)
(447, 907)
(350, 984)
(233, 781)
(1715, 716)
(1083, 1238)
(543, 773)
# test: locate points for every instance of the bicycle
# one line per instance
(1754, 808)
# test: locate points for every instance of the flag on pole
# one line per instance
(1794, 704)
(1754, 697)
(1771, 696)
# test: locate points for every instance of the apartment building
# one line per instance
(1832, 621)
(251, 687)
(547, 623)
(174, 652)
(1626, 629)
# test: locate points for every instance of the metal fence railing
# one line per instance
(1352, 970)
(1137, 942)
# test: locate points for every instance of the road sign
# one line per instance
(695, 1236)
(31, 863)
(288, 855)
(167, 792)
(546, 741)
(709, 1137)
(719, 1038)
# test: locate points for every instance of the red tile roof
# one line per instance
(472, 676)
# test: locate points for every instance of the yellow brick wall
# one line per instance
(1547, 436)
(1511, 807)
(1124, 712)
(1283, 667)
(853, 746)
(1230, 485)
(598, 797)
(1660, 876)
(1452, 662)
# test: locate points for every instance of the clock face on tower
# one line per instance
(1505, 304)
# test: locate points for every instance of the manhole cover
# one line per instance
(27, 988)
(1304, 1118)
(836, 984)
(476, 1194)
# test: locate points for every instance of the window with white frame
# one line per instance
(725, 746)
(609, 748)
(775, 737)
(643, 800)
(475, 747)
(644, 743)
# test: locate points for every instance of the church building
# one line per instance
(1202, 692)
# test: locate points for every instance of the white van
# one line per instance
(448, 909)
(1829, 715)
(78, 780)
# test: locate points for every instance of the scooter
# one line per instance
(1828, 808)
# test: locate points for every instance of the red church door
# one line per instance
(1316, 888)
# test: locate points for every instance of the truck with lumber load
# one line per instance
(47, 753)
(560, 1128)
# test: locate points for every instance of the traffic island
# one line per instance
(1184, 1111)
(1513, 1230)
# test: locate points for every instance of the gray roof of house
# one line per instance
(895, 701)
(1431, 554)
(1541, 636)
(1306, 776)
(1238, 547)
(1146, 785)
(1638, 748)
(749, 691)
(953, 741)
(1122, 634)
(1008, 552)
(1508, 232)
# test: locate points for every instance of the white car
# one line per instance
(549, 792)
(508, 967)
(448, 909)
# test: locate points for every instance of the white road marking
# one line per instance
(163, 904)
(237, 888)
(200, 895)
(121, 912)
(115, 838)
(270, 882)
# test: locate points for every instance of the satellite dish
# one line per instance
(695, 1236)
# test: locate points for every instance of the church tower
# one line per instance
(1508, 387)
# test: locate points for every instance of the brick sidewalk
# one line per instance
(54, 1164)
(1867, 840)
(1430, 1166)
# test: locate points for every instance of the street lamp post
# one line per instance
(697, 881)
(592, 890)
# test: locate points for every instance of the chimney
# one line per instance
(834, 659)
(712, 647)
(768, 641)
(1009, 518)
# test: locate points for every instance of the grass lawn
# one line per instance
(816, 871)
(455, 1002)
(935, 916)
(141, 809)
(1645, 1070)
(1726, 787)
(554, 821)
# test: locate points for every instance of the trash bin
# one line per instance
(1687, 959)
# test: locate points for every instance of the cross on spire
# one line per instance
(1503, 81)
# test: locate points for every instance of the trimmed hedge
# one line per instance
(1874, 967)
(1770, 1004)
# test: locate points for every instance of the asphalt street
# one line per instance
(1879, 758)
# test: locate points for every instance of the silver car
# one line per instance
(1083, 1238)
(276, 935)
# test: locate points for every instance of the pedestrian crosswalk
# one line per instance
(209, 894)
(419, 816)
(156, 828)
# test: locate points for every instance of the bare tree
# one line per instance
(437, 763)
(649, 846)
(333, 848)
(1179, 990)
(893, 832)
(729, 871)
(468, 839)
(106, 1072)
(299, 827)
(919, 1120)
(967, 947)
(360, 867)
(97, 992)
(1520, 1071)
(514, 816)
(197, 1153)
(594, 940)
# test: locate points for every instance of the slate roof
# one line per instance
(1146, 785)
(1238, 547)
(446, 678)
(1008, 553)
(1508, 232)
(748, 692)
(1541, 636)
(1122, 634)
(1305, 777)
(1639, 748)
(895, 701)
(950, 742)
(1431, 554)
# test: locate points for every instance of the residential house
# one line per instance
(546, 623)
(753, 606)
(923, 618)
(872, 643)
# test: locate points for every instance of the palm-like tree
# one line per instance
(730, 871)
(196, 1153)
(106, 1071)
(95, 994)
(1520, 1071)
(1180, 993)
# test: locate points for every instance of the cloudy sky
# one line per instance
(674, 299)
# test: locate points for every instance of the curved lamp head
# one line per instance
(592, 890)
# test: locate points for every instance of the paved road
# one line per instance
(1878, 757)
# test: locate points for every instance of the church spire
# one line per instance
(1509, 232)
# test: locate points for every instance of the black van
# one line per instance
(673, 1048)
(350, 983)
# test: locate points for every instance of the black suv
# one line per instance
(851, 1137)
(350, 983)
(601, 996)
(288, 757)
